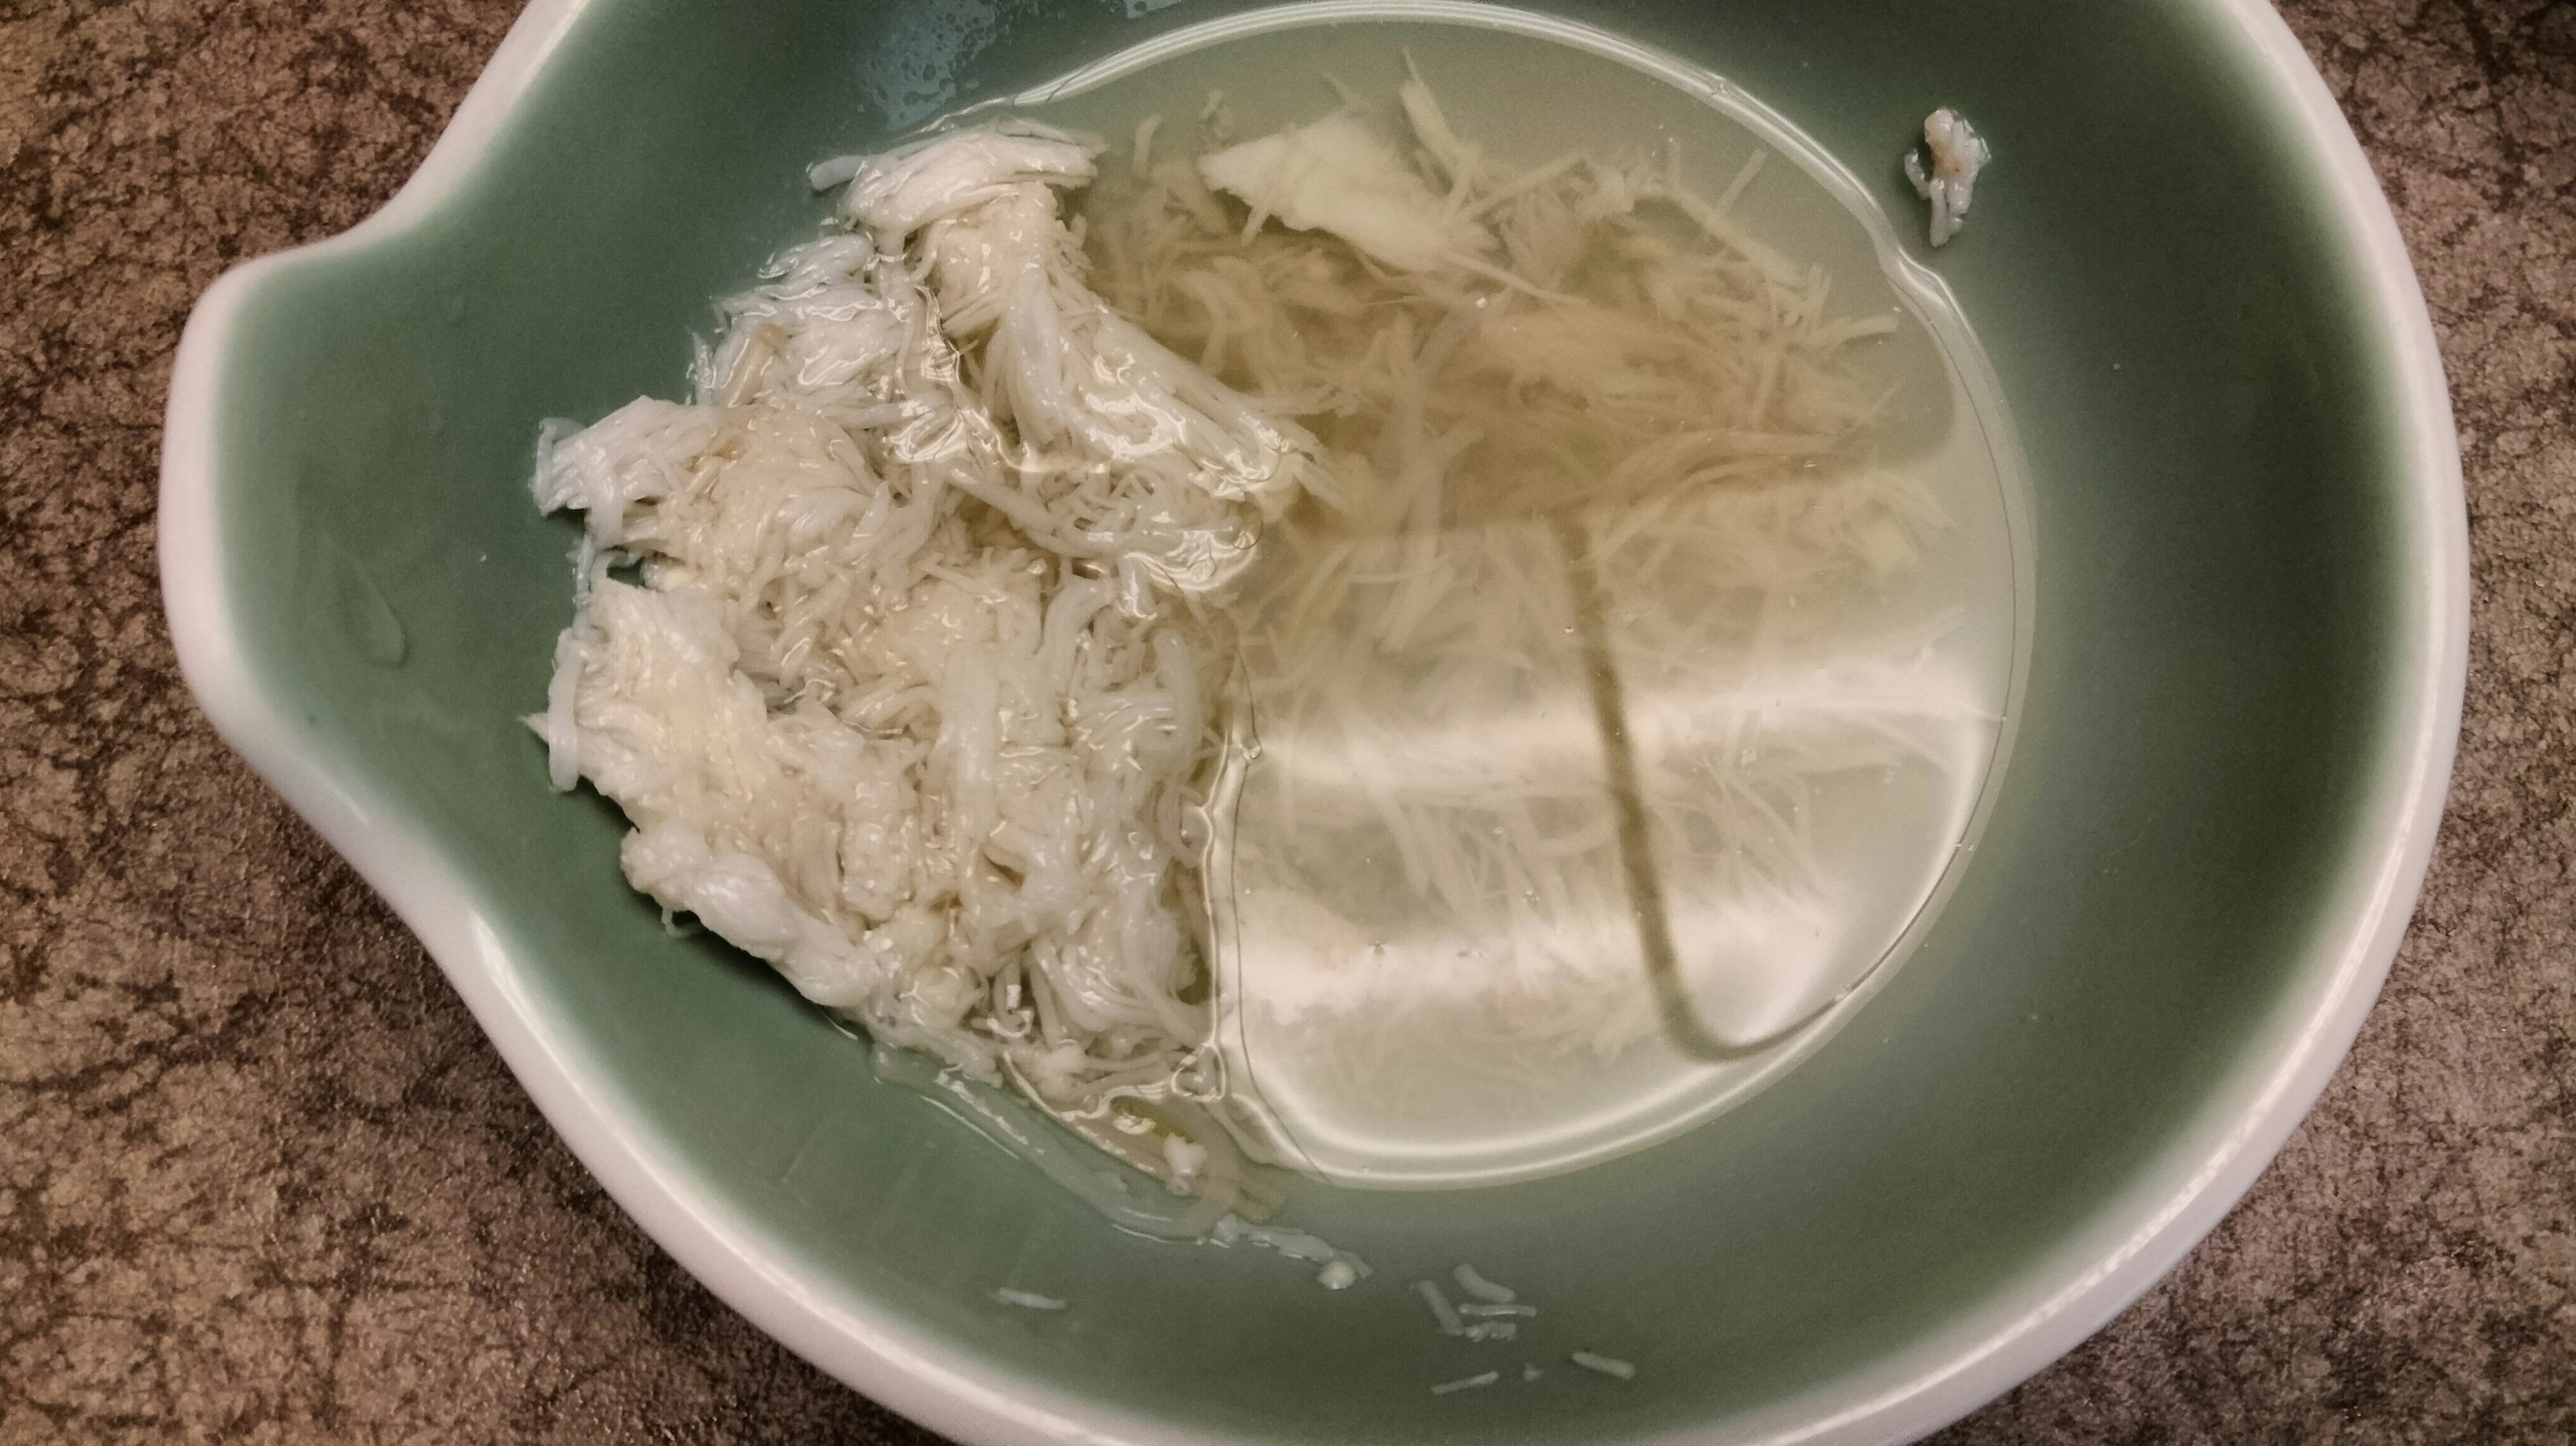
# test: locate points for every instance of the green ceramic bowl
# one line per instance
(2249, 559)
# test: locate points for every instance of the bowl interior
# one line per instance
(2221, 574)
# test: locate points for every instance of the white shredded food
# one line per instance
(1341, 1269)
(901, 699)
(1491, 1315)
(899, 641)
(1443, 1313)
(1958, 153)
(1605, 1365)
(1027, 1300)
(1482, 1289)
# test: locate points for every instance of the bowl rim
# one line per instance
(2060, 1299)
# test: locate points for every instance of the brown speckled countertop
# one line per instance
(262, 1180)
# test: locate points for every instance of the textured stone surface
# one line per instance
(261, 1180)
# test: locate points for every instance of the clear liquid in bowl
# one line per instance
(1558, 814)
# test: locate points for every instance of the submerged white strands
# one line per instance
(1467, 1383)
(1958, 153)
(897, 703)
(1626, 408)
(1606, 1365)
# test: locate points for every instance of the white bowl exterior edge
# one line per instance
(2061, 1300)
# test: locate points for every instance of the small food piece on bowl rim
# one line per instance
(1958, 153)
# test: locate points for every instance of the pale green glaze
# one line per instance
(2175, 326)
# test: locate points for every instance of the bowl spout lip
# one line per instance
(1984, 1352)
